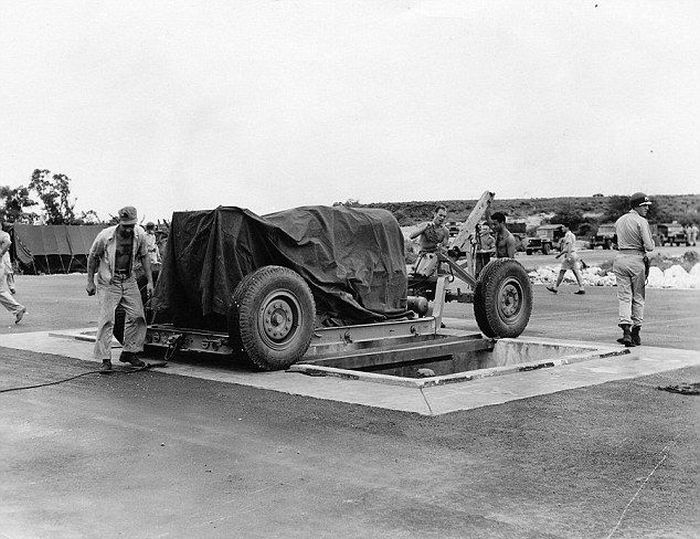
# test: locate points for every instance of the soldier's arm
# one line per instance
(4, 245)
(510, 245)
(646, 237)
(419, 231)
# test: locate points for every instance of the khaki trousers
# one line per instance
(631, 281)
(122, 291)
(6, 298)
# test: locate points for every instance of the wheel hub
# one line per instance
(277, 319)
(510, 300)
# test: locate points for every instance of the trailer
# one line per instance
(277, 314)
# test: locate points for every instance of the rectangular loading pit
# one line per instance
(477, 358)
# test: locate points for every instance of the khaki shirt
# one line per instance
(633, 233)
(104, 249)
(569, 243)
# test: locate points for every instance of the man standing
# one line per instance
(433, 237)
(433, 234)
(571, 261)
(111, 275)
(485, 247)
(505, 242)
(634, 241)
(692, 234)
(153, 252)
(7, 279)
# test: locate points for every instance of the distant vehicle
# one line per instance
(545, 238)
(518, 229)
(672, 234)
(606, 237)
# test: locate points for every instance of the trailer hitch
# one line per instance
(174, 344)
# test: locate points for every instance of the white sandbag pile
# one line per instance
(673, 277)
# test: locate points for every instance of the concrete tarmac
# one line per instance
(151, 454)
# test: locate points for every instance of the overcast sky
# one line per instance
(274, 104)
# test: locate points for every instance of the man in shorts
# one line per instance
(571, 262)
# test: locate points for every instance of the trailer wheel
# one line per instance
(528, 251)
(271, 319)
(503, 299)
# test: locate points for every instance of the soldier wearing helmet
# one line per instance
(631, 267)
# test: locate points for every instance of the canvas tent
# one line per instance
(52, 248)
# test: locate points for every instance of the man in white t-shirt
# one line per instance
(571, 262)
(7, 288)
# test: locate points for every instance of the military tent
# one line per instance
(52, 248)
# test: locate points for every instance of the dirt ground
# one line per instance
(154, 455)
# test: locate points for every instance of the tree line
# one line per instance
(46, 199)
(582, 214)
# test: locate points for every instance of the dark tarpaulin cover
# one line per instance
(352, 259)
(44, 240)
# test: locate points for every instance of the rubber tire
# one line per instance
(528, 251)
(247, 333)
(608, 244)
(546, 248)
(500, 275)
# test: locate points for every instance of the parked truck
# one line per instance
(546, 238)
(672, 234)
(605, 237)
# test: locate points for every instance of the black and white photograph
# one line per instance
(349, 269)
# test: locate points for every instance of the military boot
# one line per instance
(626, 338)
(636, 340)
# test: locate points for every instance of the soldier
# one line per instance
(7, 286)
(433, 237)
(631, 266)
(111, 263)
(505, 242)
(571, 261)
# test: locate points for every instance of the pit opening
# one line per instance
(477, 360)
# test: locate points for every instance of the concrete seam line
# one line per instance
(664, 451)
(426, 401)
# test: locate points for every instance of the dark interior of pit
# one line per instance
(502, 354)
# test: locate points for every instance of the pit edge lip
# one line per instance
(591, 352)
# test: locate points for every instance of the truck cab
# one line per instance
(672, 234)
(545, 239)
(606, 237)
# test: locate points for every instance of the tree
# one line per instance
(14, 203)
(618, 205)
(54, 192)
(569, 215)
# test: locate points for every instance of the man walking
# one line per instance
(571, 262)
(630, 267)
(111, 275)
(7, 287)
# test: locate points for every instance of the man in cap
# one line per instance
(630, 267)
(111, 275)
